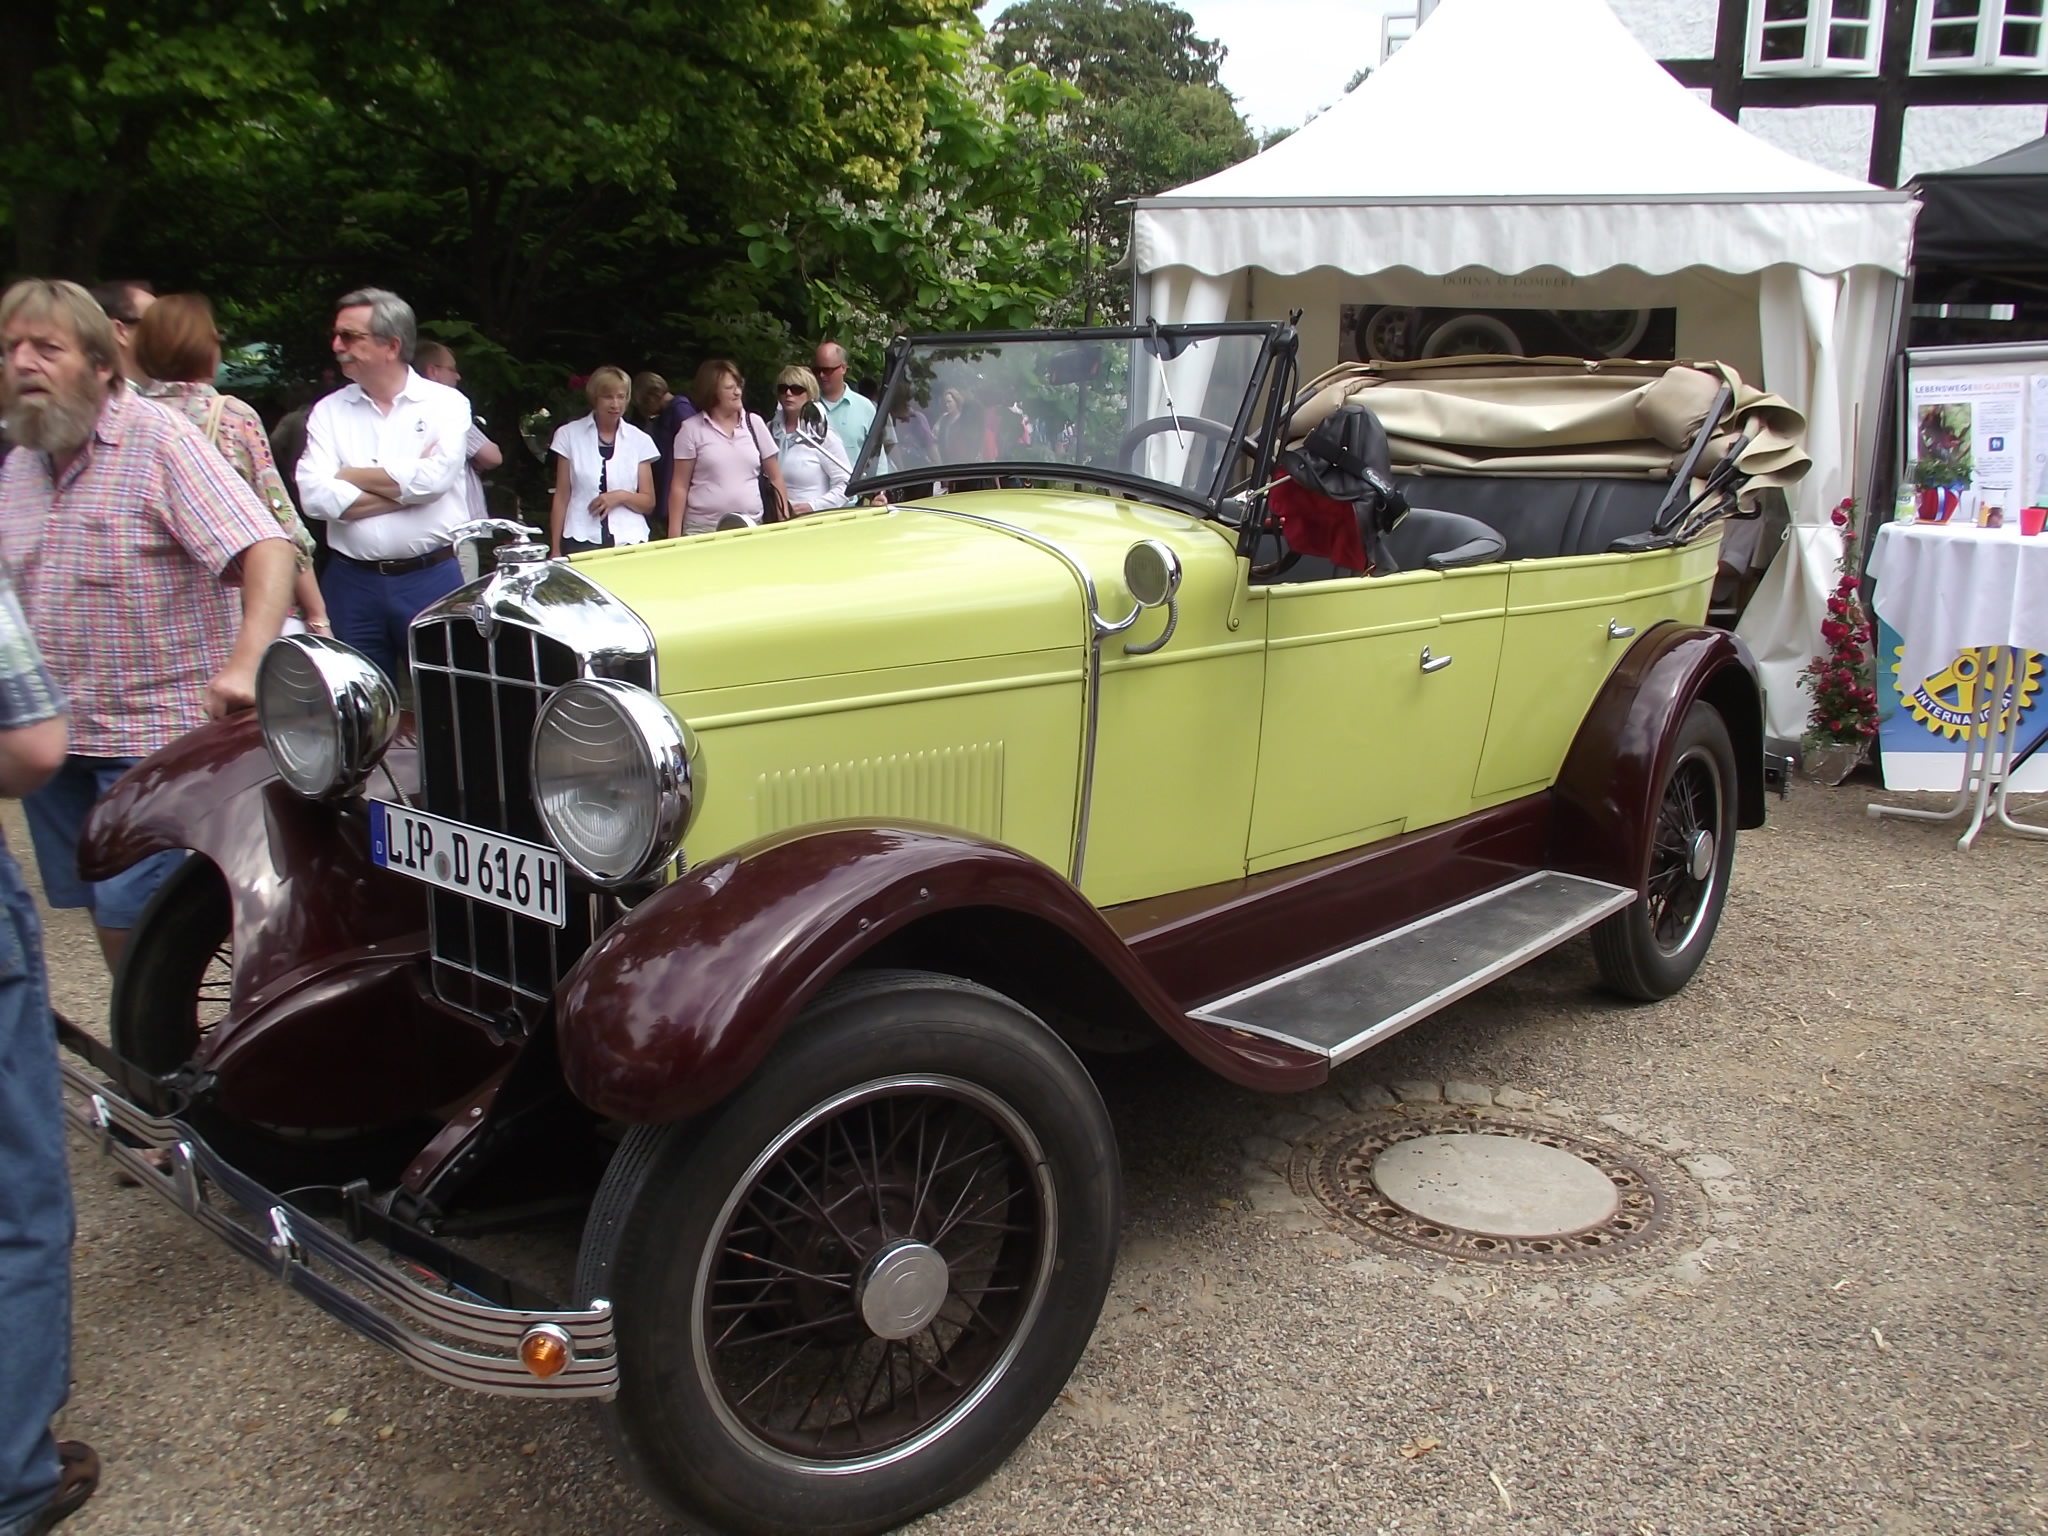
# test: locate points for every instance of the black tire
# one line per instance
(171, 986)
(1649, 950)
(702, 1239)
(172, 989)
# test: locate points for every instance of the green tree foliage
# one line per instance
(1152, 116)
(643, 182)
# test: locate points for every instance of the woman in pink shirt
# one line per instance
(721, 455)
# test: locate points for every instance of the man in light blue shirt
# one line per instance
(851, 414)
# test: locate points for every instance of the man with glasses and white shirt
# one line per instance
(383, 467)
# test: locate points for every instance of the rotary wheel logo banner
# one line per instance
(1959, 696)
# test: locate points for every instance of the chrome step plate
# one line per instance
(1344, 1003)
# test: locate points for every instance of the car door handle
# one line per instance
(1433, 663)
(1616, 630)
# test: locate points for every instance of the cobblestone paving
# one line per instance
(1842, 1331)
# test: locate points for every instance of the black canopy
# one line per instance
(1989, 217)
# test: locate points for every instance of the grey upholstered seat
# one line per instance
(1429, 540)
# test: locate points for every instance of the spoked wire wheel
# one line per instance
(1651, 948)
(874, 1272)
(1685, 865)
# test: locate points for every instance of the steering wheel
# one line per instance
(1201, 426)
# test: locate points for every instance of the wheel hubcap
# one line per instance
(902, 1288)
(1701, 864)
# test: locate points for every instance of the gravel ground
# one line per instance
(1842, 1333)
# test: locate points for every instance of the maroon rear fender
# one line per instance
(680, 1000)
(1605, 798)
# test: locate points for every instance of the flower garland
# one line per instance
(1843, 681)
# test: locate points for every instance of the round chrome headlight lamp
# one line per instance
(327, 713)
(615, 777)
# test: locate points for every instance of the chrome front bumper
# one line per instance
(461, 1342)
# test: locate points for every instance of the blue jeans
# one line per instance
(373, 612)
(56, 820)
(35, 1216)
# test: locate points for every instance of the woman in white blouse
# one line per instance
(814, 472)
(604, 473)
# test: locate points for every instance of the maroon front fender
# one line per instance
(327, 1024)
(1605, 798)
(299, 874)
(678, 1002)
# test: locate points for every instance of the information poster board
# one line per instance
(1973, 442)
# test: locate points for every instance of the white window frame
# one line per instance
(1390, 43)
(1991, 20)
(1814, 60)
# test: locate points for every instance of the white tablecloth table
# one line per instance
(1950, 588)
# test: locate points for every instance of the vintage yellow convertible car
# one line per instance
(763, 898)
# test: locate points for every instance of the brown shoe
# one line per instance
(78, 1475)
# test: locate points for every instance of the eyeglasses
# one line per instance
(348, 337)
(791, 389)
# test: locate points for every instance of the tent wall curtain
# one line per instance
(1826, 343)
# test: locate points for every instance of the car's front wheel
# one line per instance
(845, 1294)
(1650, 949)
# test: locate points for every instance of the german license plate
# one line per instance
(469, 861)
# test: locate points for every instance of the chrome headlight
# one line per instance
(327, 712)
(615, 777)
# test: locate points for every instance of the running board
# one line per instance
(1344, 1003)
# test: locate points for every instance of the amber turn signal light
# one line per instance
(545, 1350)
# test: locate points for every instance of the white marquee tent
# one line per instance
(1529, 154)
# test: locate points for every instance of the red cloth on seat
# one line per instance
(1316, 525)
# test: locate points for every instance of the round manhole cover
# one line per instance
(1494, 1185)
(1484, 1189)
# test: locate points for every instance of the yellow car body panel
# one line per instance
(928, 662)
(1569, 621)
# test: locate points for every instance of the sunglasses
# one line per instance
(791, 389)
(834, 368)
(348, 337)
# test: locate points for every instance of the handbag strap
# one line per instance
(754, 430)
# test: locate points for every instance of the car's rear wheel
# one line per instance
(845, 1294)
(1650, 949)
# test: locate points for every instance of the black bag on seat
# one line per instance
(1345, 458)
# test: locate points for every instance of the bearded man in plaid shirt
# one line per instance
(125, 533)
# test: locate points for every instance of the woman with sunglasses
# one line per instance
(604, 473)
(814, 471)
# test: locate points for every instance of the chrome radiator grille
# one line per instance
(476, 700)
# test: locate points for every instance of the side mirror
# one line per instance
(811, 422)
(1152, 572)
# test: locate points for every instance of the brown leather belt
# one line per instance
(399, 567)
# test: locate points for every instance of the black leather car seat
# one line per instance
(1431, 540)
(1543, 518)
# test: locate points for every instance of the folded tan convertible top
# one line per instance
(1559, 416)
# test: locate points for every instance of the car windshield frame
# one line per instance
(1276, 349)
